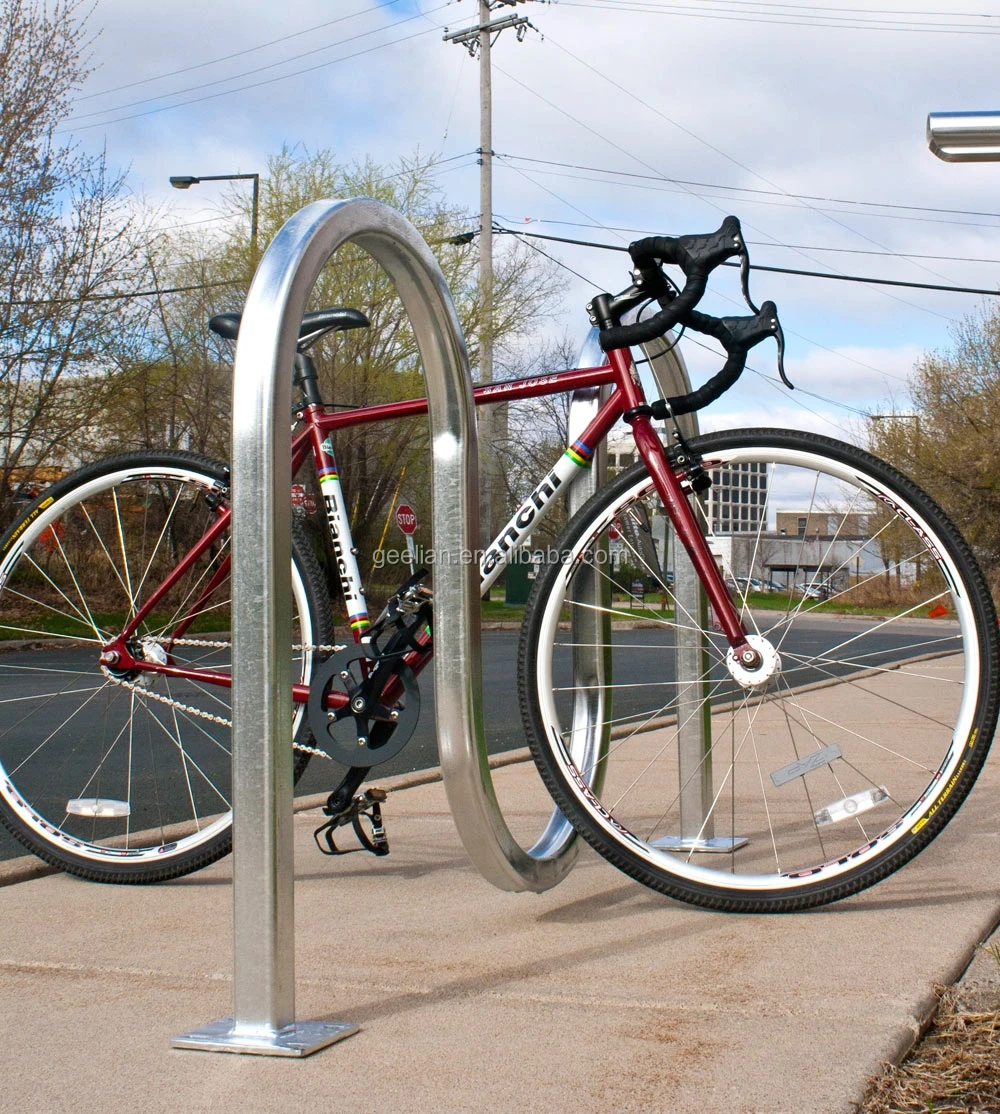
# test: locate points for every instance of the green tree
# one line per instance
(172, 382)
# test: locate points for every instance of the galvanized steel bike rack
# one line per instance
(263, 1019)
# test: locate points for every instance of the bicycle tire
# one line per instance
(863, 744)
(116, 777)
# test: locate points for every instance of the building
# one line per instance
(810, 524)
(737, 499)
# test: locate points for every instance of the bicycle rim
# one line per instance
(114, 775)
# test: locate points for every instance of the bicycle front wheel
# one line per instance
(117, 774)
(824, 771)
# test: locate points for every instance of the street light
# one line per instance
(186, 181)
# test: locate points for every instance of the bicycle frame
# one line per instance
(626, 399)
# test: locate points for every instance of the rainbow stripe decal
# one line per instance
(581, 455)
(329, 472)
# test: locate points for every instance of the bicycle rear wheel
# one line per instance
(111, 774)
(871, 729)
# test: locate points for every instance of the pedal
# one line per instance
(364, 814)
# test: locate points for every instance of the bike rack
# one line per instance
(263, 1020)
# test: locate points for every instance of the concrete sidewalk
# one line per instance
(598, 996)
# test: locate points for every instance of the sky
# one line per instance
(614, 119)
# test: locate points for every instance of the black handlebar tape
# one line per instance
(737, 335)
(693, 254)
(624, 336)
(696, 256)
(717, 386)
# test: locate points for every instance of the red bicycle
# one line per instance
(835, 736)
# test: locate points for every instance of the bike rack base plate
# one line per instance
(298, 1039)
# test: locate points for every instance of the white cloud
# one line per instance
(825, 112)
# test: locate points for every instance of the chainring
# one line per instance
(364, 731)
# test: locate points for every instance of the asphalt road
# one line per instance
(501, 713)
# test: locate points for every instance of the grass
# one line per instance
(781, 601)
(955, 1069)
(57, 624)
(497, 610)
(494, 610)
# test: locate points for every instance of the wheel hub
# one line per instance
(758, 674)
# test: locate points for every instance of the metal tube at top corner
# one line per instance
(964, 136)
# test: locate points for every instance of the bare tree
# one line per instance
(950, 442)
(537, 431)
(174, 388)
(66, 247)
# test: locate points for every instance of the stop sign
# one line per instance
(406, 518)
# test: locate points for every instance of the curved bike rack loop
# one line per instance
(263, 913)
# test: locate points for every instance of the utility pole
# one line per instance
(493, 419)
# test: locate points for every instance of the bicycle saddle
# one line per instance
(227, 325)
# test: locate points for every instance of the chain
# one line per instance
(148, 694)
(318, 648)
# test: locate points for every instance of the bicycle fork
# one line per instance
(680, 512)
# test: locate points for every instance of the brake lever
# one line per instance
(779, 336)
(745, 280)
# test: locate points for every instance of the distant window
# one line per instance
(801, 524)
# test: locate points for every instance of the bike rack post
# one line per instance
(263, 1019)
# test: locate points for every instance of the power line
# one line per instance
(736, 162)
(558, 262)
(687, 131)
(774, 270)
(257, 69)
(746, 189)
(799, 18)
(759, 200)
(156, 291)
(252, 85)
(766, 243)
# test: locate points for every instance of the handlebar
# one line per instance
(697, 256)
(737, 335)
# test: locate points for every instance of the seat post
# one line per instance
(307, 378)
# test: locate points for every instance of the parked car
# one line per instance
(815, 590)
(745, 584)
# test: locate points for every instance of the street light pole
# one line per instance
(186, 181)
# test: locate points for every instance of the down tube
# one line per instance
(590, 418)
